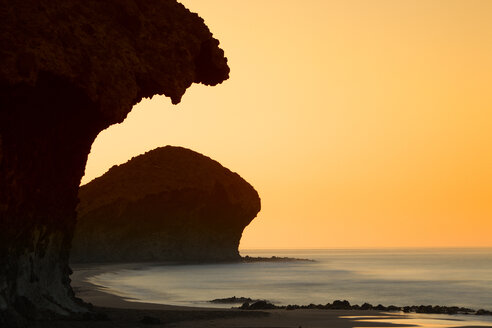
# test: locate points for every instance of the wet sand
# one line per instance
(124, 313)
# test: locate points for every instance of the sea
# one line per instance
(401, 277)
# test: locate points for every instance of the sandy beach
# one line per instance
(124, 313)
(118, 312)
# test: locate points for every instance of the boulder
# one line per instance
(341, 305)
(259, 305)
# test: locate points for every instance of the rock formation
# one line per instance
(69, 69)
(170, 204)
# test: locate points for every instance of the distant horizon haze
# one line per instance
(360, 123)
(368, 248)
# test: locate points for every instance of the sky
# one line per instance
(360, 123)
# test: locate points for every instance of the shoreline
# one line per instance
(184, 316)
(93, 293)
(123, 312)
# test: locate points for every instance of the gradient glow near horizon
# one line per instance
(360, 123)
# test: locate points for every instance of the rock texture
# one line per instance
(69, 69)
(170, 204)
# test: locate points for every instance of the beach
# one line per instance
(116, 311)
(399, 277)
(124, 313)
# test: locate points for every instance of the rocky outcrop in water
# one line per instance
(169, 204)
(345, 305)
(69, 69)
(234, 300)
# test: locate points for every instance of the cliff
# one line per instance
(169, 204)
(69, 69)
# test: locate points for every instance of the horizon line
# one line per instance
(366, 247)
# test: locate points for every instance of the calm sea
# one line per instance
(451, 277)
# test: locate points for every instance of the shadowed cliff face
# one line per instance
(69, 69)
(170, 204)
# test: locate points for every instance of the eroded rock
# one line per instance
(169, 204)
(69, 69)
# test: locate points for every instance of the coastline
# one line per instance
(95, 295)
(121, 312)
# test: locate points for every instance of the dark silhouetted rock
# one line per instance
(69, 69)
(292, 307)
(244, 306)
(345, 305)
(393, 308)
(436, 309)
(170, 204)
(260, 305)
(483, 312)
(340, 305)
(253, 259)
(233, 300)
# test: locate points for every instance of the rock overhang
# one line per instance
(117, 52)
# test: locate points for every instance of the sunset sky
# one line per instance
(360, 123)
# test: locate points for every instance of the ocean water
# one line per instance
(451, 277)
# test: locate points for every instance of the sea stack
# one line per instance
(169, 204)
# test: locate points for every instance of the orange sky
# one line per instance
(360, 123)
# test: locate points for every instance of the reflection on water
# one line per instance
(426, 320)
